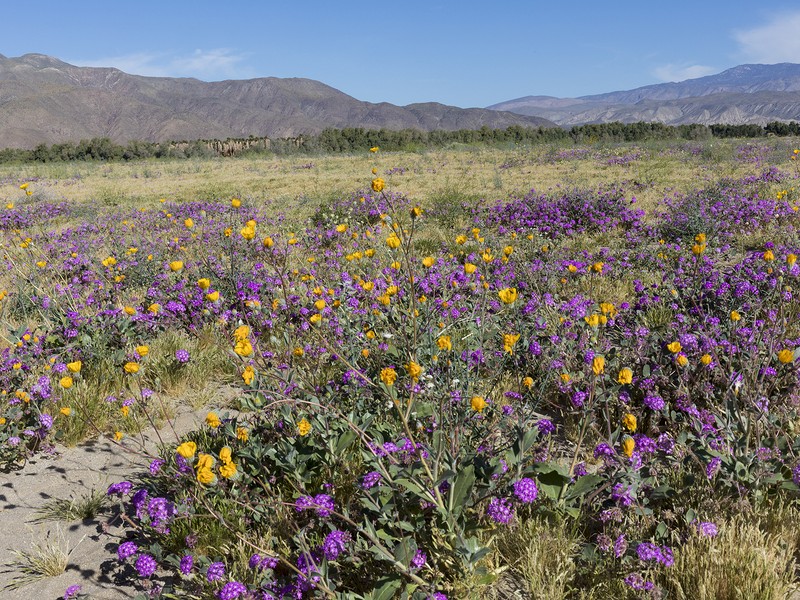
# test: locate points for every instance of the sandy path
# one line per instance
(73, 472)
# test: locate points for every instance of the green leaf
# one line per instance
(387, 589)
(405, 551)
(584, 484)
(551, 483)
(344, 441)
(410, 486)
(462, 487)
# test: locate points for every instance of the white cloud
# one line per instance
(774, 42)
(218, 63)
(672, 72)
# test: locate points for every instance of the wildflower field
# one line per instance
(543, 372)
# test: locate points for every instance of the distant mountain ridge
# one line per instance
(744, 94)
(44, 100)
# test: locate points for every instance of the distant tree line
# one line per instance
(355, 139)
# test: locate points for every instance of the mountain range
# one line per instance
(44, 100)
(744, 94)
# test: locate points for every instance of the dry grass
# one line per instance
(541, 558)
(743, 562)
(47, 559)
(297, 184)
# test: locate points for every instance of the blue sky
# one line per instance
(465, 53)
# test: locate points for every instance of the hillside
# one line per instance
(744, 94)
(45, 100)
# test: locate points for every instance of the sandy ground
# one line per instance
(72, 473)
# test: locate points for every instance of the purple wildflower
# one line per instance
(707, 528)
(712, 468)
(525, 490)
(123, 488)
(500, 510)
(545, 426)
(145, 565)
(126, 550)
(72, 592)
(186, 565)
(370, 480)
(620, 546)
(334, 544)
(232, 590)
(182, 356)
(215, 572)
(638, 583)
(419, 560)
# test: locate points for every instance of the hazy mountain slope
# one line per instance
(45, 100)
(743, 94)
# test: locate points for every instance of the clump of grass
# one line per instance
(541, 556)
(741, 562)
(81, 508)
(48, 559)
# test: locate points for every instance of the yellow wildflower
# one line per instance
(187, 449)
(205, 476)
(477, 403)
(176, 265)
(598, 365)
(303, 427)
(243, 347)
(628, 445)
(508, 295)
(444, 343)
(242, 434)
(509, 341)
(131, 367)
(66, 382)
(625, 376)
(74, 367)
(212, 420)
(629, 422)
(414, 370)
(674, 347)
(378, 184)
(786, 356)
(248, 375)
(388, 376)
(227, 470)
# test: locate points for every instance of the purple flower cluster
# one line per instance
(145, 566)
(334, 544)
(232, 590)
(525, 490)
(500, 510)
(322, 503)
(215, 571)
(649, 552)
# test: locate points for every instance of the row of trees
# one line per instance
(353, 139)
